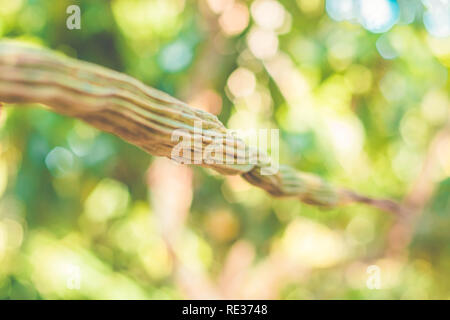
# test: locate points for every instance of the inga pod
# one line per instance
(143, 116)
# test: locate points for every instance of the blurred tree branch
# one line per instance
(402, 231)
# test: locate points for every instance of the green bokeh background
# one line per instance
(73, 199)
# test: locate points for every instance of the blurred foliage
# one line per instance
(358, 100)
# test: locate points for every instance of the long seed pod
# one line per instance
(145, 117)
